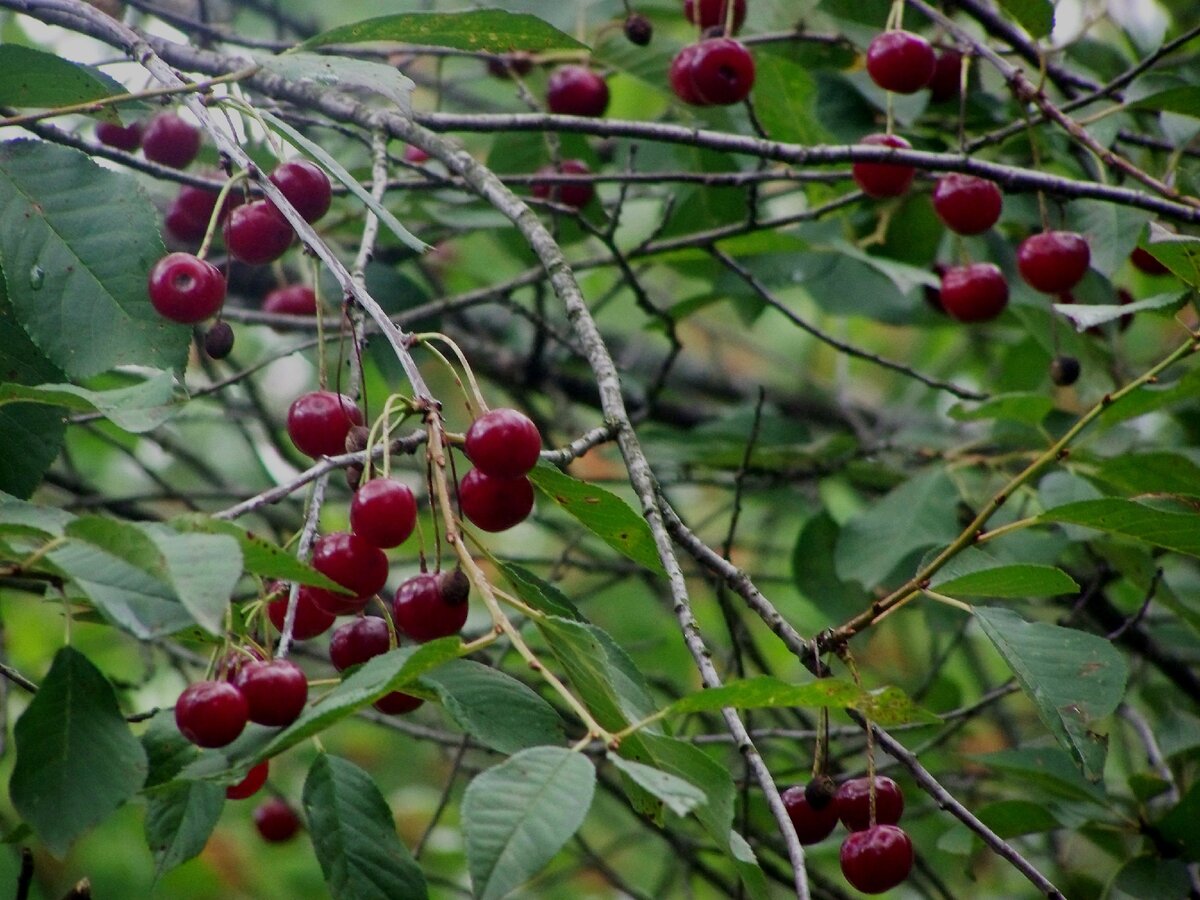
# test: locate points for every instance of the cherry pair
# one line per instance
(214, 713)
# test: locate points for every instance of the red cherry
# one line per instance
(722, 71)
(880, 180)
(503, 443)
(123, 137)
(319, 421)
(680, 75)
(275, 691)
(353, 563)
(517, 63)
(812, 825)
(946, 83)
(257, 233)
(495, 504)
(1053, 261)
(577, 91)
(854, 802)
(383, 512)
(415, 155)
(291, 300)
(189, 213)
(211, 713)
(276, 821)
(933, 295)
(423, 612)
(966, 204)
(185, 288)
(397, 703)
(1146, 262)
(305, 186)
(900, 61)
(577, 196)
(878, 859)
(251, 784)
(713, 13)
(356, 642)
(974, 293)
(170, 141)
(310, 620)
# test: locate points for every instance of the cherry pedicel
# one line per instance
(577, 91)
(211, 713)
(900, 61)
(854, 802)
(275, 691)
(251, 784)
(425, 610)
(713, 13)
(170, 141)
(576, 196)
(305, 186)
(257, 233)
(352, 562)
(1053, 261)
(877, 859)
(276, 821)
(291, 300)
(503, 443)
(319, 421)
(946, 83)
(383, 512)
(966, 204)
(812, 824)
(356, 642)
(495, 504)
(185, 288)
(722, 71)
(878, 180)
(122, 137)
(311, 620)
(974, 293)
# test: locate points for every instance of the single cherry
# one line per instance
(319, 421)
(900, 61)
(185, 288)
(933, 295)
(188, 215)
(251, 784)
(211, 713)
(415, 155)
(577, 196)
(638, 29)
(310, 619)
(305, 186)
(275, 691)
(122, 137)
(577, 91)
(966, 204)
(356, 642)
(1053, 261)
(397, 703)
(431, 606)
(257, 233)
(276, 821)
(218, 340)
(171, 141)
(383, 512)
(503, 443)
(291, 300)
(353, 563)
(880, 180)
(946, 83)
(495, 504)
(812, 824)
(714, 13)
(518, 63)
(974, 293)
(680, 76)
(854, 802)
(722, 71)
(1146, 262)
(1064, 370)
(877, 859)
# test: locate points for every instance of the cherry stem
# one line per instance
(476, 407)
(222, 197)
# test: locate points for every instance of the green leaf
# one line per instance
(1178, 252)
(1073, 678)
(679, 795)
(32, 78)
(601, 512)
(343, 73)
(748, 869)
(539, 594)
(203, 569)
(815, 575)
(1046, 771)
(76, 245)
(1150, 876)
(1151, 473)
(47, 519)
(179, 820)
(1128, 518)
(1028, 409)
(485, 30)
(785, 101)
(1085, 317)
(495, 709)
(77, 760)
(167, 751)
(354, 835)
(1179, 825)
(691, 764)
(1013, 818)
(1184, 100)
(1035, 16)
(1010, 581)
(138, 408)
(519, 814)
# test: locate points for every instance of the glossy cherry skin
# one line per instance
(422, 612)
(171, 141)
(1053, 261)
(122, 137)
(218, 340)
(712, 13)
(1144, 261)
(966, 204)
(503, 443)
(880, 180)
(722, 71)
(577, 91)
(291, 300)
(415, 155)
(383, 512)
(310, 621)
(495, 504)
(854, 802)
(946, 83)
(356, 642)
(878, 859)
(319, 421)
(305, 186)
(397, 703)
(812, 825)
(900, 61)
(257, 233)
(276, 821)
(353, 563)
(211, 713)
(275, 691)
(185, 288)
(577, 196)
(188, 215)
(638, 29)
(974, 293)
(680, 76)
(251, 784)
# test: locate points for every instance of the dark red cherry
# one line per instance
(211, 713)
(397, 703)
(880, 180)
(503, 443)
(714, 13)
(170, 141)
(218, 340)
(415, 155)
(188, 215)
(185, 288)
(423, 611)
(251, 784)
(854, 802)
(305, 186)
(122, 137)
(257, 233)
(576, 196)
(310, 620)
(900, 61)
(518, 63)
(638, 29)
(319, 421)
(680, 75)
(946, 83)
(1053, 261)
(495, 504)
(275, 691)
(966, 204)
(1146, 262)
(356, 642)
(812, 825)
(276, 821)
(383, 512)
(1064, 370)
(878, 859)
(577, 91)
(974, 293)
(291, 300)
(722, 71)
(352, 562)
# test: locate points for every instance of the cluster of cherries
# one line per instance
(877, 855)
(718, 70)
(166, 139)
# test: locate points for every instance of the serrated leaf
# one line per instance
(31, 78)
(484, 30)
(1073, 678)
(1010, 581)
(77, 760)
(354, 835)
(1151, 473)
(138, 408)
(1178, 531)
(343, 73)
(679, 795)
(785, 101)
(601, 512)
(1035, 16)
(519, 814)
(1178, 252)
(539, 594)
(76, 245)
(203, 569)
(691, 764)
(1028, 409)
(179, 820)
(167, 751)
(1084, 317)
